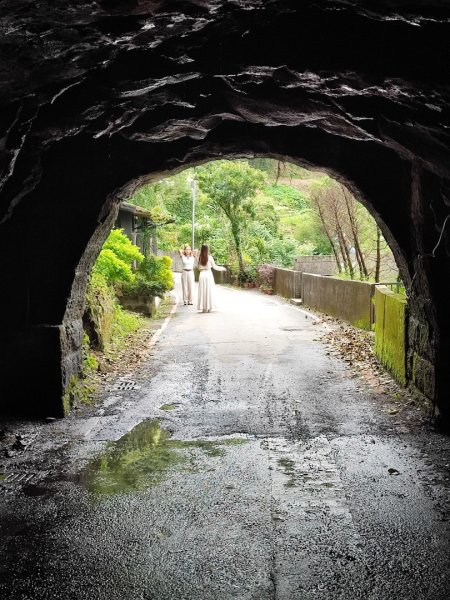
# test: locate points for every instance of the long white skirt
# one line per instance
(206, 296)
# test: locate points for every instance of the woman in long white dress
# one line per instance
(206, 297)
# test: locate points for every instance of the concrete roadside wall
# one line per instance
(287, 283)
(345, 299)
(219, 276)
(146, 305)
(390, 331)
(318, 264)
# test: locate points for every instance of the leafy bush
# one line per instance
(266, 275)
(156, 270)
(122, 247)
(283, 251)
(142, 287)
(116, 258)
(112, 268)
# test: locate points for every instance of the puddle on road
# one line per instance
(142, 457)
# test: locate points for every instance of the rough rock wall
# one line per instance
(99, 96)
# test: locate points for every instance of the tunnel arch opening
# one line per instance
(70, 309)
(85, 116)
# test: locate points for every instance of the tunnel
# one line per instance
(99, 97)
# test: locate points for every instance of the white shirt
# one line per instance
(210, 265)
(188, 262)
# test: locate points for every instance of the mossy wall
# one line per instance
(345, 299)
(98, 319)
(390, 331)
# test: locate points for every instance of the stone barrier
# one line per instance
(219, 276)
(342, 298)
(146, 305)
(287, 283)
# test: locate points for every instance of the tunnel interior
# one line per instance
(100, 97)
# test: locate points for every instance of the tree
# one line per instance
(231, 186)
(354, 236)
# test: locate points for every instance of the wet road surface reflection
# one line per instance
(141, 458)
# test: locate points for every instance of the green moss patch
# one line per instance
(390, 332)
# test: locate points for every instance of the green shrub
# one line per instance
(156, 270)
(116, 258)
(112, 268)
(142, 287)
(122, 247)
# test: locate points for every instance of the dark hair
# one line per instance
(204, 254)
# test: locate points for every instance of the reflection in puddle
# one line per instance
(289, 468)
(141, 458)
(171, 406)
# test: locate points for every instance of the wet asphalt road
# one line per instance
(245, 462)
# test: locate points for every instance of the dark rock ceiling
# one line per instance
(149, 71)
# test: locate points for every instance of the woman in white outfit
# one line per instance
(206, 300)
(187, 275)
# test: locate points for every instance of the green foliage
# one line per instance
(122, 247)
(116, 258)
(287, 195)
(270, 216)
(142, 287)
(157, 270)
(90, 363)
(112, 268)
(231, 187)
(125, 322)
(283, 251)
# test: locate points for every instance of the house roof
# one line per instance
(141, 212)
(135, 210)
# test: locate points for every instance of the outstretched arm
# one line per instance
(216, 267)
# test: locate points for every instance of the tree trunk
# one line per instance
(344, 249)
(378, 256)
(354, 227)
(237, 242)
(278, 171)
(330, 239)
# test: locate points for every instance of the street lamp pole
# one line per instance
(194, 193)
